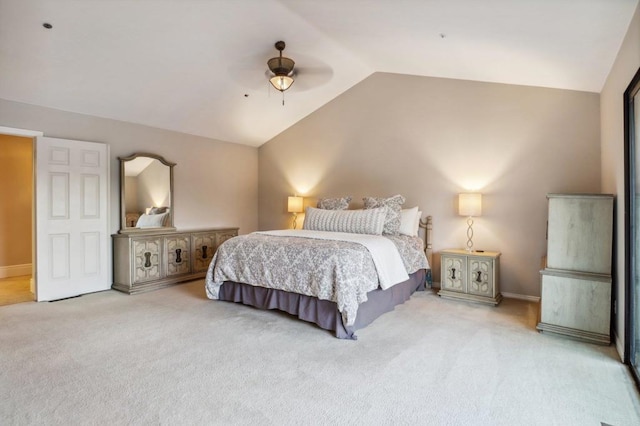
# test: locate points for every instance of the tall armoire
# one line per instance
(576, 280)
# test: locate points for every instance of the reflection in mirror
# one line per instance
(146, 193)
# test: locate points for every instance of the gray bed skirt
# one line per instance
(324, 313)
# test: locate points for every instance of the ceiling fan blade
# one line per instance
(307, 78)
(251, 72)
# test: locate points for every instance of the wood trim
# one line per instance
(576, 274)
(535, 299)
(601, 339)
(580, 195)
(16, 270)
(494, 301)
(20, 132)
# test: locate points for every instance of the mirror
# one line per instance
(146, 193)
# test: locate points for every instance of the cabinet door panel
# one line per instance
(481, 277)
(580, 234)
(224, 236)
(204, 246)
(147, 254)
(178, 254)
(576, 303)
(454, 270)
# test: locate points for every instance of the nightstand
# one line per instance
(472, 276)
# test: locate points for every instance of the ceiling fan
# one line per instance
(281, 71)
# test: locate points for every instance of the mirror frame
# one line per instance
(123, 213)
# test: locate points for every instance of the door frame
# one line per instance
(629, 225)
(32, 134)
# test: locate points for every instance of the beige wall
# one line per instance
(16, 198)
(431, 138)
(612, 139)
(131, 195)
(215, 182)
(154, 187)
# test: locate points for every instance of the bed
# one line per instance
(340, 281)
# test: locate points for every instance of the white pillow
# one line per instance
(409, 221)
(369, 221)
(151, 220)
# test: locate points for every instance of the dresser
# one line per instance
(144, 261)
(576, 279)
(472, 276)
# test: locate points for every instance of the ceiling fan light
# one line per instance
(281, 82)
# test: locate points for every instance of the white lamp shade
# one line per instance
(470, 204)
(294, 204)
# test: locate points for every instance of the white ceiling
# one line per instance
(186, 65)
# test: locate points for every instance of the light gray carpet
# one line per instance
(174, 357)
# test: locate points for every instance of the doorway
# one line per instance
(632, 225)
(16, 219)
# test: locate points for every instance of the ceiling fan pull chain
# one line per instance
(282, 98)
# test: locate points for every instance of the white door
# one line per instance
(72, 238)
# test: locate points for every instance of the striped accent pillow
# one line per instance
(352, 221)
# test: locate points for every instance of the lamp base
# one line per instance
(470, 234)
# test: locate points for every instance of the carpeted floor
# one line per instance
(173, 357)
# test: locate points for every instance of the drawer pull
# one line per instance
(204, 252)
(147, 259)
(479, 277)
(453, 273)
(178, 255)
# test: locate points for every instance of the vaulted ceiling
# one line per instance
(198, 66)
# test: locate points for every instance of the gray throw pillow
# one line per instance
(394, 207)
(334, 203)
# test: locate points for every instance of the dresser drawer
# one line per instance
(204, 246)
(147, 255)
(178, 250)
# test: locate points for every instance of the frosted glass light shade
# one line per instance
(470, 204)
(281, 82)
(294, 204)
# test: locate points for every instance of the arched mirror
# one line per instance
(146, 193)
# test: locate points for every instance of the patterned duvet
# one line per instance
(339, 271)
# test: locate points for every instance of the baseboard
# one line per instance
(15, 270)
(536, 299)
(619, 346)
(521, 297)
